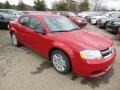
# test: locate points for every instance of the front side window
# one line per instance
(24, 21)
(60, 23)
(35, 24)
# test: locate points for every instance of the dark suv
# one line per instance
(102, 23)
(113, 25)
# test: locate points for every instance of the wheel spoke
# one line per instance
(14, 39)
(59, 62)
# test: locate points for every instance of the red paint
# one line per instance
(119, 32)
(70, 42)
(79, 21)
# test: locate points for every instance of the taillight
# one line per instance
(118, 34)
(119, 30)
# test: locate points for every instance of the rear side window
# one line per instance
(24, 21)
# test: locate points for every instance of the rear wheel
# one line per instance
(15, 40)
(60, 61)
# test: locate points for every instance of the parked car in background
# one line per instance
(85, 13)
(12, 11)
(73, 17)
(102, 23)
(95, 19)
(66, 45)
(5, 18)
(113, 25)
(41, 12)
(88, 17)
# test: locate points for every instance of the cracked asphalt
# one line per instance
(23, 69)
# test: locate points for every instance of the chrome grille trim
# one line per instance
(107, 52)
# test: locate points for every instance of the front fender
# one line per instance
(65, 48)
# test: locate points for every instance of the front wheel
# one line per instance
(60, 61)
(105, 25)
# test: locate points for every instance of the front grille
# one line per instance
(107, 52)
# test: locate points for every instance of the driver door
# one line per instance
(36, 37)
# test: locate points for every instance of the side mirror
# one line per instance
(42, 31)
(24, 23)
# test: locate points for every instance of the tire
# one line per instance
(105, 25)
(97, 22)
(61, 65)
(15, 40)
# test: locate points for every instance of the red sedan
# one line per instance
(66, 45)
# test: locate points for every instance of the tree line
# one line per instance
(40, 5)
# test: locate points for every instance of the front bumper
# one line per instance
(112, 28)
(101, 24)
(93, 68)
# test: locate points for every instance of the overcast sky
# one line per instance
(110, 3)
(29, 2)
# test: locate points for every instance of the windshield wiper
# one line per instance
(75, 29)
(66, 30)
(62, 31)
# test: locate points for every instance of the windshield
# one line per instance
(60, 23)
(115, 15)
(108, 14)
(6, 15)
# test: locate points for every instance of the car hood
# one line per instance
(98, 17)
(83, 39)
(107, 18)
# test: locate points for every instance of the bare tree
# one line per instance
(97, 4)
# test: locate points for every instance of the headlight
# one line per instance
(79, 21)
(90, 54)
